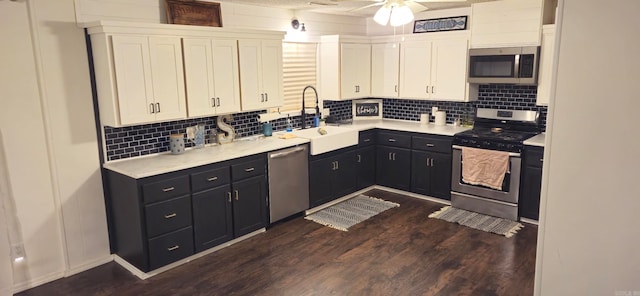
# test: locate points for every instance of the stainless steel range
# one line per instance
(487, 162)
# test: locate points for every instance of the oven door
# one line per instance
(511, 186)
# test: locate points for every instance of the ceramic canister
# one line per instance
(176, 143)
(441, 118)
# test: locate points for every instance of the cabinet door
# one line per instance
(199, 76)
(415, 76)
(393, 167)
(546, 65)
(355, 70)
(272, 73)
(344, 177)
(441, 175)
(249, 209)
(529, 202)
(225, 76)
(168, 77)
(212, 219)
(320, 181)
(385, 65)
(366, 162)
(420, 172)
(249, 52)
(133, 77)
(449, 69)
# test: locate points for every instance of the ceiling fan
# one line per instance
(396, 12)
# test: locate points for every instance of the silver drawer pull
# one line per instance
(212, 179)
(249, 170)
(168, 189)
(367, 140)
(541, 159)
(431, 145)
(170, 216)
(173, 248)
(392, 140)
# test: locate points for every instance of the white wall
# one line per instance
(589, 233)
(50, 141)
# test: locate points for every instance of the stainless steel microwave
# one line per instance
(508, 65)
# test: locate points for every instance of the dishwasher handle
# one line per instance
(286, 153)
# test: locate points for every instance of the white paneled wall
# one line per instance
(50, 141)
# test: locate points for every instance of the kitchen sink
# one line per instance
(336, 137)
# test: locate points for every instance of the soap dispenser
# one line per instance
(289, 125)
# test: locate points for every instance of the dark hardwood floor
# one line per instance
(399, 252)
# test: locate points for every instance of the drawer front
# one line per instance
(167, 216)
(432, 143)
(394, 139)
(366, 138)
(534, 156)
(210, 179)
(165, 189)
(170, 247)
(248, 169)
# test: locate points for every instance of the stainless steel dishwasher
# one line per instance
(288, 182)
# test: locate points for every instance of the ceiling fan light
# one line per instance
(382, 16)
(401, 15)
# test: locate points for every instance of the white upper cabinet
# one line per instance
(260, 74)
(355, 71)
(211, 75)
(436, 68)
(385, 67)
(345, 67)
(547, 59)
(506, 23)
(149, 78)
(159, 72)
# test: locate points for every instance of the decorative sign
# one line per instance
(198, 13)
(367, 109)
(440, 24)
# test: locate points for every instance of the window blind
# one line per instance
(299, 70)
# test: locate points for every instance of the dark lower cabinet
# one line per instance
(431, 174)
(332, 176)
(393, 167)
(366, 167)
(530, 182)
(249, 205)
(161, 219)
(212, 217)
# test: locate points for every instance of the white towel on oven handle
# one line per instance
(484, 167)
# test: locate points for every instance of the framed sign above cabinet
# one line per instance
(198, 13)
(366, 109)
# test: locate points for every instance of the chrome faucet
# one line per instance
(303, 115)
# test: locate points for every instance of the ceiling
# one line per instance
(346, 7)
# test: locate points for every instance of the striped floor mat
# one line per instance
(478, 221)
(351, 212)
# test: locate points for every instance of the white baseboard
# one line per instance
(145, 275)
(32, 283)
(87, 266)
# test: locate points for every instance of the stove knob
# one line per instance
(464, 141)
(473, 142)
(486, 144)
(500, 145)
(511, 146)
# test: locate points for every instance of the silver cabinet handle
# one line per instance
(541, 159)
(359, 158)
(337, 165)
(249, 170)
(168, 189)
(229, 196)
(394, 156)
(391, 140)
(266, 97)
(213, 102)
(173, 248)
(431, 145)
(237, 198)
(427, 161)
(170, 216)
(396, 88)
(158, 109)
(432, 162)
(427, 89)
(366, 140)
(218, 101)
(432, 91)
(262, 97)
(390, 156)
(212, 179)
(152, 109)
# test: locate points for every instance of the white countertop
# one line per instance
(407, 126)
(537, 140)
(146, 166)
(156, 164)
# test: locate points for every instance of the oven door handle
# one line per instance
(511, 154)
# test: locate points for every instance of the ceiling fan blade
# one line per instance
(367, 6)
(416, 7)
